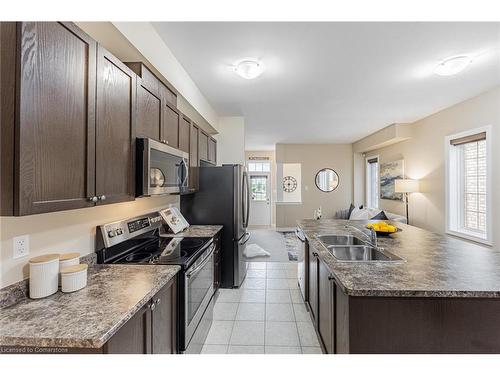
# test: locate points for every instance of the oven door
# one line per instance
(161, 169)
(198, 283)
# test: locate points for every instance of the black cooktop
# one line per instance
(164, 250)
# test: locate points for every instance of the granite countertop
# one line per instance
(86, 318)
(435, 265)
(196, 231)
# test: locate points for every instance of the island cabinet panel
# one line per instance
(153, 329)
(184, 133)
(115, 130)
(194, 160)
(170, 128)
(313, 285)
(134, 337)
(326, 315)
(212, 150)
(54, 156)
(203, 145)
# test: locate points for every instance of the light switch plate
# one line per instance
(21, 246)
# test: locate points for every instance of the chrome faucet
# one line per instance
(372, 237)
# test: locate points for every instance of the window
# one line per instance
(260, 166)
(258, 187)
(468, 185)
(372, 182)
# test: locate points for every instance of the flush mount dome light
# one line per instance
(248, 68)
(453, 65)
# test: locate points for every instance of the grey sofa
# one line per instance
(343, 214)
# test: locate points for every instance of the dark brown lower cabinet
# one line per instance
(153, 329)
(313, 284)
(326, 313)
(217, 262)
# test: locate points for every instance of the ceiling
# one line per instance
(332, 82)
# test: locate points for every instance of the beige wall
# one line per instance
(63, 232)
(314, 157)
(272, 159)
(424, 157)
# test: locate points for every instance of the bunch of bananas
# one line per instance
(383, 227)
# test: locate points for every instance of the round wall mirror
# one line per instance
(327, 180)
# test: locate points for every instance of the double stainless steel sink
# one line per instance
(348, 248)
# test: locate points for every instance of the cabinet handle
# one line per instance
(315, 254)
(331, 278)
(93, 199)
(102, 198)
(157, 302)
(152, 306)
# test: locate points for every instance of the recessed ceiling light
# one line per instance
(453, 65)
(248, 68)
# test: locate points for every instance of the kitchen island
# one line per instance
(443, 298)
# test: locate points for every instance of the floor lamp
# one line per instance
(407, 186)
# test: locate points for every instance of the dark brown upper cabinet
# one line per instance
(149, 103)
(68, 111)
(203, 145)
(184, 133)
(115, 129)
(212, 150)
(48, 102)
(170, 128)
(194, 160)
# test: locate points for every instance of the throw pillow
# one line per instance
(350, 211)
(359, 214)
(380, 216)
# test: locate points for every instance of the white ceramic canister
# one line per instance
(66, 260)
(74, 278)
(44, 272)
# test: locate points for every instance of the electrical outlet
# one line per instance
(21, 246)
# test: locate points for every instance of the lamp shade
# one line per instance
(406, 186)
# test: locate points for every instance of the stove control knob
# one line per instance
(119, 231)
(111, 233)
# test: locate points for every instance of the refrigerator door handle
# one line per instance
(246, 204)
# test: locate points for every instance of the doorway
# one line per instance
(260, 202)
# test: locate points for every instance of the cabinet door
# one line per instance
(115, 129)
(164, 320)
(184, 133)
(326, 317)
(170, 129)
(194, 160)
(55, 132)
(313, 284)
(149, 109)
(134, 337)
(203, 145)
(212, 150)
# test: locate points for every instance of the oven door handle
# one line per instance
(193, 272)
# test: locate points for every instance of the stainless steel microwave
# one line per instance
(160, 169)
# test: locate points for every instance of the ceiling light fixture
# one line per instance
(453, 65)
(248, 68)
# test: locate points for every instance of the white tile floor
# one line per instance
(265, 316)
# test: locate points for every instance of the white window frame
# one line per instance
(454, 198)
(367, 182)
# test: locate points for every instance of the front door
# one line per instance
(260, 202)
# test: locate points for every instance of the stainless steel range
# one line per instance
(138, 241)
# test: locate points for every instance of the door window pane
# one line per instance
(258, 187)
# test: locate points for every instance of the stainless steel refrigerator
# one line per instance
(223, 198)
